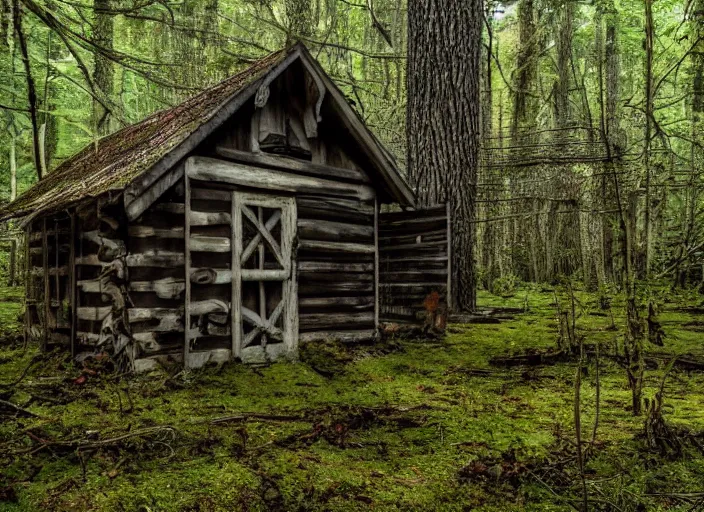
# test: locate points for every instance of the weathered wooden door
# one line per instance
(264, 298)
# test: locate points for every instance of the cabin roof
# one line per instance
(138, 152)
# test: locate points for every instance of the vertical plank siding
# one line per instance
(413, 263)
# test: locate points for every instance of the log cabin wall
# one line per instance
(413, 264)
(100, 278)
(48, 311)
(156, 264)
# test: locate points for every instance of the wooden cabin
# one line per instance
(237, 225)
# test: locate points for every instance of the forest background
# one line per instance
(590, 111)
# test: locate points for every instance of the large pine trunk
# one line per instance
(443, 116)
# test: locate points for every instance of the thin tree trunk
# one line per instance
(442, 123)
(31, 90)
(649, 35)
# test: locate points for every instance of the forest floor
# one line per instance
(403, 425)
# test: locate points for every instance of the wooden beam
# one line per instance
(187, 271)
(72, 285)
(449, 298)
(376, 263)
(214, 170)
(136, 206)
(200, 243)
(335, 231)
(344, 336)
(45, 267)
(292, 164)
(317, 245)
(236, 289)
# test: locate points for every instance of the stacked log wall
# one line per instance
(48, 285)
(413, 256)
(336, 268)
(156, 268)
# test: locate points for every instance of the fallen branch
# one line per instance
(18, 410)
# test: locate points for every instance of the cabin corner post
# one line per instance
(236, 297)
(450, 302)
(47, 294)
(376, 265)
(290, 289)
(28, 285)
(72, 282)
(187, 269)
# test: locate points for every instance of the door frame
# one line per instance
(289, 293)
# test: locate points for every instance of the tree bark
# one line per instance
(103, 73)
(442, 123)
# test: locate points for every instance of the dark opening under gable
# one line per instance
(137, 157)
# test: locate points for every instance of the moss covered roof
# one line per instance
(117, 159)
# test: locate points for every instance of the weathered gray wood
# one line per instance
(308, 289)
(165, 288)
(376, 263)
(292, 164)
(263, 275)
(213, 170)
(399, 188)
(334, 208)
(95, 314)
(355, 336)
(187, 271)
(449, 258)
(204, 307)
(317, 245)
(236, 313)
(136, 205)
(210, 276)
(155, 259)
(210, 194)
(324, 321)
(45, 267)
(39, 272)
(334, 231)
(116, 246)
(200, 243)
(333, 266)
(224, 112)
(72, 282)
(148, 231)
(254, 242)
(210, 218)
(336, 302)
(175, 208)
(422, 245)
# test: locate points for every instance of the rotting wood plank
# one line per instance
(214, 170)
(210, 276)
(155, 259)
(292, 164)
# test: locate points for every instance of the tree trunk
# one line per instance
(649, 112)
(442, 124)
(103, 74)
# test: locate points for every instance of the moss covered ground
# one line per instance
(408, 424)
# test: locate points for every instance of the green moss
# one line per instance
(375, 429)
